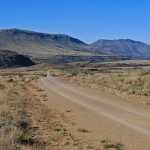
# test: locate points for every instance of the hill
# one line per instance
(123, 47)
(48, 46)
(41, 44)
(12, 59)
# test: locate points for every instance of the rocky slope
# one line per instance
(13, 59)
(41, 44)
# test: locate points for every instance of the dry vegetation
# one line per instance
(128, 79)
(27, 123)
(16, 124)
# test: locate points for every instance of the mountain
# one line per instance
(123, 47)
(37, 44)
(13, 59)
(43, 45)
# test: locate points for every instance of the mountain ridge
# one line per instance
(53, 36)
(123, 47)
(40, 44)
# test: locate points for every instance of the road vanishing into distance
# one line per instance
(131, 123)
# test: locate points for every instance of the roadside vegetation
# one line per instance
(26, 123)
(127, 79)
(141, 85)
(16, 124)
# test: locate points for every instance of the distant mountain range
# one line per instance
(12, 59)
(43, 45)
(123, 47)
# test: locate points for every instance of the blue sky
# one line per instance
(87, 20)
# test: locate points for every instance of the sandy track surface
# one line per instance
(104, 115)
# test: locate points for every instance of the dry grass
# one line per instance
(16, 130)
(14, 118)
(111, 145)
(26, 123)
(130, 79)
(139, 86)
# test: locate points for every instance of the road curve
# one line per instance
(126, 116)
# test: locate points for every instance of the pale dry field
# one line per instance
(129, 80)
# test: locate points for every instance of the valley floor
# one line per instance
(39, 112)
(97, 120)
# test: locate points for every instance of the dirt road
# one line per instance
(104, 115)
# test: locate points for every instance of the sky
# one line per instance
(87, 20)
